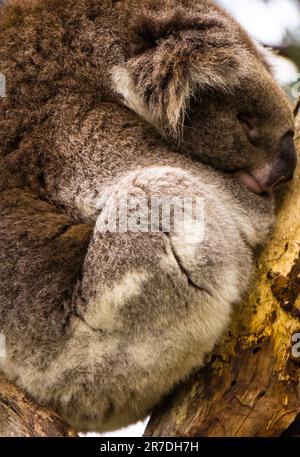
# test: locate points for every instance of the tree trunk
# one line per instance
(20, 416)
(251, 385)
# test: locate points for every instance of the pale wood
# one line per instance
(20, 416)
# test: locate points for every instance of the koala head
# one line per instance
(248, 131)
(194, 73)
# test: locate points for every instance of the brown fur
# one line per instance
(105, 98)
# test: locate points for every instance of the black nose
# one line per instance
(285, 166)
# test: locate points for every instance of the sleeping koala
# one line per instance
(110, 103)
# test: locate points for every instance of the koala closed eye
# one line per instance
(250, 124)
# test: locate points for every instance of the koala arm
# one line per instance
(112, 320)
(101, 325)
(42, 251)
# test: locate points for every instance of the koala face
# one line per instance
(249, 132)
(195, 74)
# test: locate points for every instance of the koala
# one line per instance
(106, 99)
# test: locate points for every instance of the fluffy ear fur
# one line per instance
(267, 56)
(175, 53)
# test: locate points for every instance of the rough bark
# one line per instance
(20, 416)
(251, 385)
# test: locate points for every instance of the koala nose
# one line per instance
(285, 166)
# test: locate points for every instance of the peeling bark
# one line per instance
(251, 385)
(20, 416)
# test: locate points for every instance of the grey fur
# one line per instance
(101, 326)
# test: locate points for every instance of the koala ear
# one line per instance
(174, 54)
(267, 55)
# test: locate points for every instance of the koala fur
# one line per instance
(105, 98)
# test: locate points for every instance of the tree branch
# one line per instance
(20, 416)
